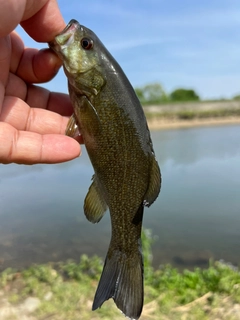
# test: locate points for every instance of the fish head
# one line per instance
(80, 50)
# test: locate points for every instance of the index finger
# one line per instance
(46, 23)
(41, 19)
(13, 11)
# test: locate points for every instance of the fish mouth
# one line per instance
(71, 27)
(66, 37)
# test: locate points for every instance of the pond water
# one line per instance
(195, 218)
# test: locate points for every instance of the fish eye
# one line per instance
(87, 43)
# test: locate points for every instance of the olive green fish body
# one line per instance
(127, 177)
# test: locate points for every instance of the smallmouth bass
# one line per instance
(127, 177)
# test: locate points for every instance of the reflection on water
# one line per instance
(196, 217)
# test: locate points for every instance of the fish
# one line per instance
(127, 177)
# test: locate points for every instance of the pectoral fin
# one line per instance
(154, 185)
(88, 117)
(72, 129)
(94, 204)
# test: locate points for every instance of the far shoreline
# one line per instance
(161, 123)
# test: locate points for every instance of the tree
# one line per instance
(151, 93)
(184, 95)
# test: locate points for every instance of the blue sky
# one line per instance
(178, 43)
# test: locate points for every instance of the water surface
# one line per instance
(196, 217)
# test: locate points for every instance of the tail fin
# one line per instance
(122, 280)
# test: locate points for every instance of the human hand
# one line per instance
(32, 119)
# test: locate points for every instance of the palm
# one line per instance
(30, 129)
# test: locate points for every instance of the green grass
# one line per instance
(72, 285)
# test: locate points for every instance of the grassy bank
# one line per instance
(193, 114)
(66, 291)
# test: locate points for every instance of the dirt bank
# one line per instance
(193, 106)
(192, 114)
